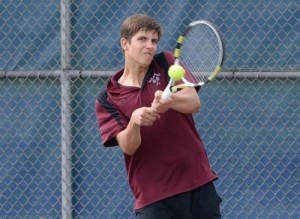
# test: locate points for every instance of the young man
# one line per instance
(167, 166)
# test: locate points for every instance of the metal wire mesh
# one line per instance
(249, 119)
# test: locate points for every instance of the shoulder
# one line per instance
(111, 86)
(164, 58)
(102, 102)
(102, 96)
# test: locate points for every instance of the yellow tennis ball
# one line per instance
(176, 72)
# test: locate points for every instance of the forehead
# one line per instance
(147, 33)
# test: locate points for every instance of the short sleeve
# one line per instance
(109, 121)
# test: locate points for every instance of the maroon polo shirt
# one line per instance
(171, 158)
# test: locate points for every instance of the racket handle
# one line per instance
(167, 92)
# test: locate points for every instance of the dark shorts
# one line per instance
(199, 203)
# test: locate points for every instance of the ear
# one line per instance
(124, 43)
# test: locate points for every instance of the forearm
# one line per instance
(186, 101)
(129, 139)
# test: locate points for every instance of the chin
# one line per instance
(148, 60)
(146, 64)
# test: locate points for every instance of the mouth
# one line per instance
(148, 54)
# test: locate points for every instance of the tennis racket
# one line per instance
(200, 51)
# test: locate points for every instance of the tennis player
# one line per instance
(167, 166)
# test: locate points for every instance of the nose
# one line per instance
(151, 43)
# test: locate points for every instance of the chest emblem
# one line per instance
(155, 79)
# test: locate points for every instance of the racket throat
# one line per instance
(176, 62)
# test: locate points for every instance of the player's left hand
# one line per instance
(159, 105)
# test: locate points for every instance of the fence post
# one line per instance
(66, 134)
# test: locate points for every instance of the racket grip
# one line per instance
(166, 93)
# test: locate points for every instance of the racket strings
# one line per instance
(200, 53)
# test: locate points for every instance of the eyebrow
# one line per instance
(145, 37)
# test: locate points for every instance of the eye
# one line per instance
(155, 41)
(143, 38)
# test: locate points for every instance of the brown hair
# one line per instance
(138, 22)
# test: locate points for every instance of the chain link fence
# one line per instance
(55, 57)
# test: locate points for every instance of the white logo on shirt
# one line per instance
(155, 79)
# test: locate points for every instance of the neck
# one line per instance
(133, 76)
